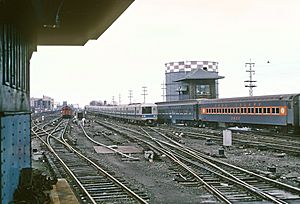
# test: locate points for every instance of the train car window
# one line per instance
(225, 110)
(289, 105)
(242, 110)
(273, 110)
(146, 110)
(268, 110)
(259, 110)
(245, 110)
(277, 110)
(238, 110)
(264, 110)
(251, 110)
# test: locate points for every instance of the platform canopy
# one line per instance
(64, 22)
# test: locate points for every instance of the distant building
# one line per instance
(191, 80)
(65, 103)
(97, 103)
(42, 104)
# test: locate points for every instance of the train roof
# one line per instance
(126, 105)
(283, 97)
(188, 101)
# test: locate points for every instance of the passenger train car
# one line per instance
(184, 111)
(137, 113)
(273, 111)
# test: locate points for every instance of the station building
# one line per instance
(42, 104)
(191, 80)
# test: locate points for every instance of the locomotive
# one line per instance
(280, 112)
(145, 113)
(66, 112)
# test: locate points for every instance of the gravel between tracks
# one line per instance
(156, 178)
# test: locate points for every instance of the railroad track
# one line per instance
(92, 183)
(260, 142)
(228, 183)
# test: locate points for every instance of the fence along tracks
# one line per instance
(96, 185)
(228, 183)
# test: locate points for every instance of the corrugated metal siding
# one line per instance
(15, 152)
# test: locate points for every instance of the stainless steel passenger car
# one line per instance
(138, 113)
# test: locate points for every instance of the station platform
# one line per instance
(62, 193)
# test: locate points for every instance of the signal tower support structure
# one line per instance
(250, 82)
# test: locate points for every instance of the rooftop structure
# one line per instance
(191, 80)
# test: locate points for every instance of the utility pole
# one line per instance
(113, 100)
(130, 96)
(249, 83)
(164, 90)
(144, 93)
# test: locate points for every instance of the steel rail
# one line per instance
(108, 147)
(208, 187)
(196, 154)
(238, 181)
(261, 141)
(66, 168)
(124, 187)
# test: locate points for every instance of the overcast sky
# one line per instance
(150, 33)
